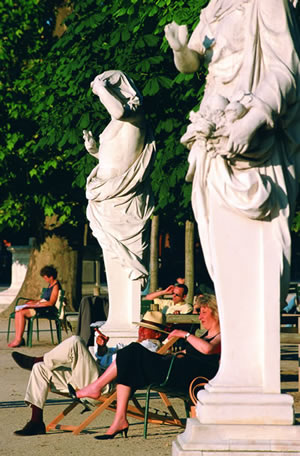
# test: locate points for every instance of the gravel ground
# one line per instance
(14, 414)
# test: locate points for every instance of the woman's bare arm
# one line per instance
(202, 345)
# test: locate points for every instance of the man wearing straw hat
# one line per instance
(72, 362)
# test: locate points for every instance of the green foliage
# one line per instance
(48, 101)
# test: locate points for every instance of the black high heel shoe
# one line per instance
(72, 393)
(112, 436)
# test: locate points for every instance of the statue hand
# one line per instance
(239, 140)
(177, 36)
(89, 142)
(102, 82)
(243, 130)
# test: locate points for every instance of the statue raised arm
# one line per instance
(90, 143)
(186, 60)
(118, 188)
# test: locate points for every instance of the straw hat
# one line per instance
(153, 320)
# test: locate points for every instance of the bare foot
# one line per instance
(117, 426)
(16, 343)
(91, 391)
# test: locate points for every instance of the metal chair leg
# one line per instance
(29, 332)
(8, 329)
(58, 330)
(147, 411)
(51, 329)
(37, 329)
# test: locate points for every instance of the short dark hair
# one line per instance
(183, 286)
(49, 271)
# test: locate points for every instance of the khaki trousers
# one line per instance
(69, 362)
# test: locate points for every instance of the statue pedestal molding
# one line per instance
(237, 439)
(124, 303)
(243, 408)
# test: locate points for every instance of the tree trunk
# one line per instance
(57, 252)
(189, 259)
(154, 254)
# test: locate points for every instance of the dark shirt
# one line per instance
(193, 353)
(46, 294)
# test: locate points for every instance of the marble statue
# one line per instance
(244, 163)
(261, 78)
(118, 189)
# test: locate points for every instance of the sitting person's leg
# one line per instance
(120, 423)
(93, 390)
(69, 362)
(20, 322)
(74, 354)
(36, 395)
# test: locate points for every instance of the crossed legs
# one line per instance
(123, 394)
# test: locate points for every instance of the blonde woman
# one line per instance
(135, 367)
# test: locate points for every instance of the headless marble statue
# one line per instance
(118, 190)
(119, 195)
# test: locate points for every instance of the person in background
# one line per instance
(180, 280)
(178, 305)
(43, 306)
(292, 305)
(72, 362)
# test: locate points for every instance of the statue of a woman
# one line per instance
(250, 48)
(118, 188)
(245, 165)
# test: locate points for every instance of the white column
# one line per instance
(124, 303)
(242, 410)
(20, 260)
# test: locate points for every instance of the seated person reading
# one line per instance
(43, 306)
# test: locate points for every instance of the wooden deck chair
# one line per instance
(108, 402)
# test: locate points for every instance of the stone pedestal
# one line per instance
(124, 304)
(20, 259)
(237, 440)
(241, 410)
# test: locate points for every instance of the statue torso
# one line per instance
(220, 38)
(120, 144)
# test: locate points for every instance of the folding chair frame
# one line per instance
(108, 402)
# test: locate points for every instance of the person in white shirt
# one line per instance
(178, 305)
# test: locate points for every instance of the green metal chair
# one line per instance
(166, 392)
(58, 318)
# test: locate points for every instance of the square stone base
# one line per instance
(245, 408)
(238, 440)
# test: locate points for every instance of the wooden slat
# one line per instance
(290, 338)
(183, 319)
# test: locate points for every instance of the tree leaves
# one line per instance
(48, 101)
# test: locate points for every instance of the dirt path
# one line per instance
(14, 414)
